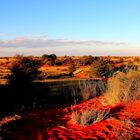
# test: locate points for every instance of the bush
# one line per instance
(23, 71)
(71, 68)
(87, 60)
(91, 89)
(58, 62)
(89, 116)
(123, 87)
(45, 56)
(100, 68)
(132, 66)
(50, 58)
(87, 89)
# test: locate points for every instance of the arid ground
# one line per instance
(61, 105)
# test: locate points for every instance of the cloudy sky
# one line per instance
(69, 27)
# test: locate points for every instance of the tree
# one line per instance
(100, 68)
(52, 58)
(45, 56)
(23, 71)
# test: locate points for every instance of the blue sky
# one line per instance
(70, 27)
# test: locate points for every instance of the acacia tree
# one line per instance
(23, 71)
(52, 58)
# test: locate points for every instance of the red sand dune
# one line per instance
(55, 124)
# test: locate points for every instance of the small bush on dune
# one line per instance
(88, 90)
(123, 87)
(89, 116)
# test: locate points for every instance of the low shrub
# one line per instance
(89, 116)
(100, 68)
(91, 89)
(23, 71)
(123, 87)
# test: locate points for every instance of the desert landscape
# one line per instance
(69, 70)
(81, 98)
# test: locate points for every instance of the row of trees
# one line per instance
(51, 59)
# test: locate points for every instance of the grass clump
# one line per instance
(91, 89)
(89, 116)
(123, 88)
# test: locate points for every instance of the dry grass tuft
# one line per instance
(9, 119)
(89, 116)
(123, 88)
(91, 89)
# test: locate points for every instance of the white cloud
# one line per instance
(44, 41)
(38, 45)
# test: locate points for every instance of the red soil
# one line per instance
(55, 124)
(81, 75)
(117, 65)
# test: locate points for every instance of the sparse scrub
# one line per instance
(132, 66)
(91, 89)
(89, 116)
(123, 87)
(100, 68)
(88, 60)
(87, 89)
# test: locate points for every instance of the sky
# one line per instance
(70, 27)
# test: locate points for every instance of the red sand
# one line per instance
(55, 124)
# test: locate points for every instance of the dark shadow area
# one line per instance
(18, 97)
(39, 95)
(116, 109)
(35, 95)
(40, 106)
(33, 123)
